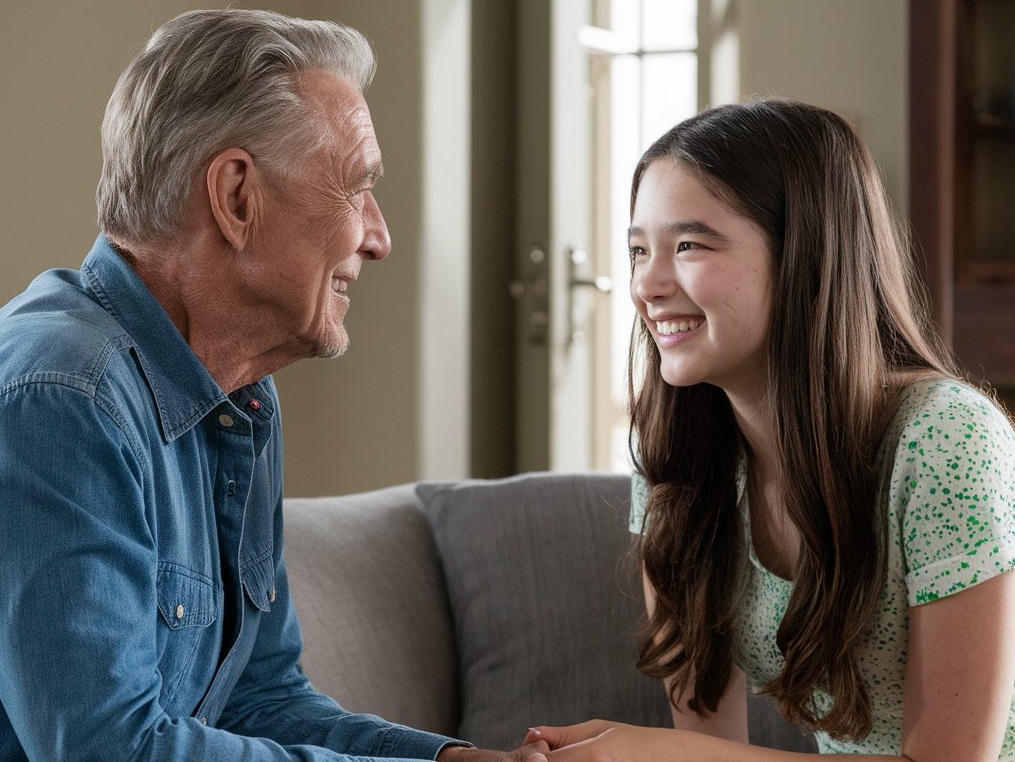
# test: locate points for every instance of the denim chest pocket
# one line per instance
(185, 597)
(189, 639)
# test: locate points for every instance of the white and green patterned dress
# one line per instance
(950, 499)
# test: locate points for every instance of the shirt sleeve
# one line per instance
(274, 699)
(953, 487)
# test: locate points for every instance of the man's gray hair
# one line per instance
(207, 81)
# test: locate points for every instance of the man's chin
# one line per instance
(335, 348)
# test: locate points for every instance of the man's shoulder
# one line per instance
(56, 329)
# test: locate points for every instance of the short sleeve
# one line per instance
(953, 489)
(639, 503)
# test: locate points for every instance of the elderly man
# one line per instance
(145, 612)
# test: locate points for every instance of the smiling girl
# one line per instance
(826, 509)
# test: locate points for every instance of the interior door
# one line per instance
(556, 287)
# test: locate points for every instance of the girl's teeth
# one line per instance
(669, 327)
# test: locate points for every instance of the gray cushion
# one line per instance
(769, 728)
(370, 597)
(546, 600)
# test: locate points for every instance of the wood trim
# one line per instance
(932, 108)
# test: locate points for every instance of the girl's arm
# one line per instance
(960, 678)
(960, 673)
(730, 719)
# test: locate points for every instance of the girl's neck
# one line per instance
(776, 540)
(756, 420)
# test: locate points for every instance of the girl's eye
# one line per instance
(635, 251)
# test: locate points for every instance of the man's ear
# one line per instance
(233, 195)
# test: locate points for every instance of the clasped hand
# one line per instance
(592, 741)
(530, 751)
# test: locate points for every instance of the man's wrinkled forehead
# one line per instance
(339, 106)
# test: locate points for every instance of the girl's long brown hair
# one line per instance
(848, 321)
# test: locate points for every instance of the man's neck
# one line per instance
(195, 286)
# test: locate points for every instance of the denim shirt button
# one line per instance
(271, 595)
(179, 611)
(226, 420)
(204, 720)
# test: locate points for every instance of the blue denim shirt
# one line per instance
(144, 610)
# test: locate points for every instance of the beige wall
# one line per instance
(355, 423)
(851, 57)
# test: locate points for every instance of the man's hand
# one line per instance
(532, 752)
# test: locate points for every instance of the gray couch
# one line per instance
(479, 608)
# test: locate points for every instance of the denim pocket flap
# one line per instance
(186, 598)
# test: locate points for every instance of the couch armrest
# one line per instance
(369, 593)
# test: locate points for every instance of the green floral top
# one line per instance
(950, 499)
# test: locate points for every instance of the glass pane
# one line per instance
(625, 21)
(648, 94)
(669, 24)
(669, 92)
(625, 150)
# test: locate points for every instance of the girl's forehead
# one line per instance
(670, 188)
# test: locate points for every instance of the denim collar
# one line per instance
(183, 389)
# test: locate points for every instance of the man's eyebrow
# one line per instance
(694, 227)
(371, 175)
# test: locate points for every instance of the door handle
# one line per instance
(581, 280)
(579, 264)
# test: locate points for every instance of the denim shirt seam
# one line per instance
(89, 388)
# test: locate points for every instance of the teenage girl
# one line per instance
(826, 509)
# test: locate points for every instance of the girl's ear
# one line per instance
(233, 194)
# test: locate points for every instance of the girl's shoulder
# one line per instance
(948, 410)
(950, 488)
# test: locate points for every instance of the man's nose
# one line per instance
(376, 239)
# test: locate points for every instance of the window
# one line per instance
(645, 77)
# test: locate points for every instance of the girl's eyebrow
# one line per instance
(695, 227)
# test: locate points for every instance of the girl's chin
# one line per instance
(680, 379)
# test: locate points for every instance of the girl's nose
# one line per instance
(651, 279)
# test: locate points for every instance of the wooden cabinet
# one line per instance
(962, 175)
